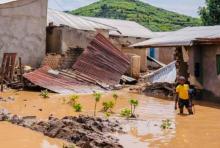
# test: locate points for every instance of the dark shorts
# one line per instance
(184, 103)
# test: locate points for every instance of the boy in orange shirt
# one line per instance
(183, 96)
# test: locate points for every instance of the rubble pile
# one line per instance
(162, 90)
(84, 131)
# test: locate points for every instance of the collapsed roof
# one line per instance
(183, 37)
(100, 65)
(102, 61)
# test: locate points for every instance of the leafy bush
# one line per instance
(77, 107)
(108, 106)
(44, 94)
(126, 113)
(73, 99)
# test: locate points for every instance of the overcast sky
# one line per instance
(188, 7)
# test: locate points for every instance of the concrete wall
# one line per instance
(23, 30)
(195, 65)
(163, 54)
(121, 42)
(166, 54)
(61, 39)
(140, 52)
(211, 81)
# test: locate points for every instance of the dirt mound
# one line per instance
(84, 131)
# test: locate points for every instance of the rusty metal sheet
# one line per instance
(59, 83)
(102, 61)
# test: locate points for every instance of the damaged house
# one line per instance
(66, 31)
(197, 52)
(22, 29)
(80, 58)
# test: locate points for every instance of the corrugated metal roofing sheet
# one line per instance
(102, 61)
(6, 1)
(182, 37)
(59, 83)
(125, 28)
(61, 18)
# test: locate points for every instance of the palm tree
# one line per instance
(97, 99)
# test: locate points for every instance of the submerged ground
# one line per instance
(199, 130)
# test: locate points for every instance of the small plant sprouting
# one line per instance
(115, 96)
(166, 124)
(77, 107)
(126, 113)
(64, 101)
(73, 99)
(68, 146)
(134, 103)
(44, 94)
(97, 97)
(108, 106)
(107, 114)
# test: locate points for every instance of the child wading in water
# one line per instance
(183, 96)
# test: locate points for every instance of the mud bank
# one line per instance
(84, 131)
(139, 133)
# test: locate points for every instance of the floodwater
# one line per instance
(199, 130)
(13, 136)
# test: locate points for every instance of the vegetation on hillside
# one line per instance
(154, 18)
(210, 14)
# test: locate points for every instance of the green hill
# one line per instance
(154, 18)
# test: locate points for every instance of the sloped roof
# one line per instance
(182, 37)
(61, 18)
(6, 1)
(125, 28)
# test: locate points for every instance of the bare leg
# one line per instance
(181, 110)
(190, 111)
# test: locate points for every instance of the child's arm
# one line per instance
(176, 97)
(176, 100)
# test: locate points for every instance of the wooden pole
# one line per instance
(21, 72)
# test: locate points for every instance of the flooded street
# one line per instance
(13, 136)
(186, 131)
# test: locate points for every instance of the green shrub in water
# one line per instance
(108, 106)
(126, 113)
(166, 124)
(73, 99)
(44, 94)
(77, 107)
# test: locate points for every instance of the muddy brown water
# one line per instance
(200, 130)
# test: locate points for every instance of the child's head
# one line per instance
(182, 80)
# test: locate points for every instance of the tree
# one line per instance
(210, 14)
(97, 99)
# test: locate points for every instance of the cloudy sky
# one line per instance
(188, 7)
